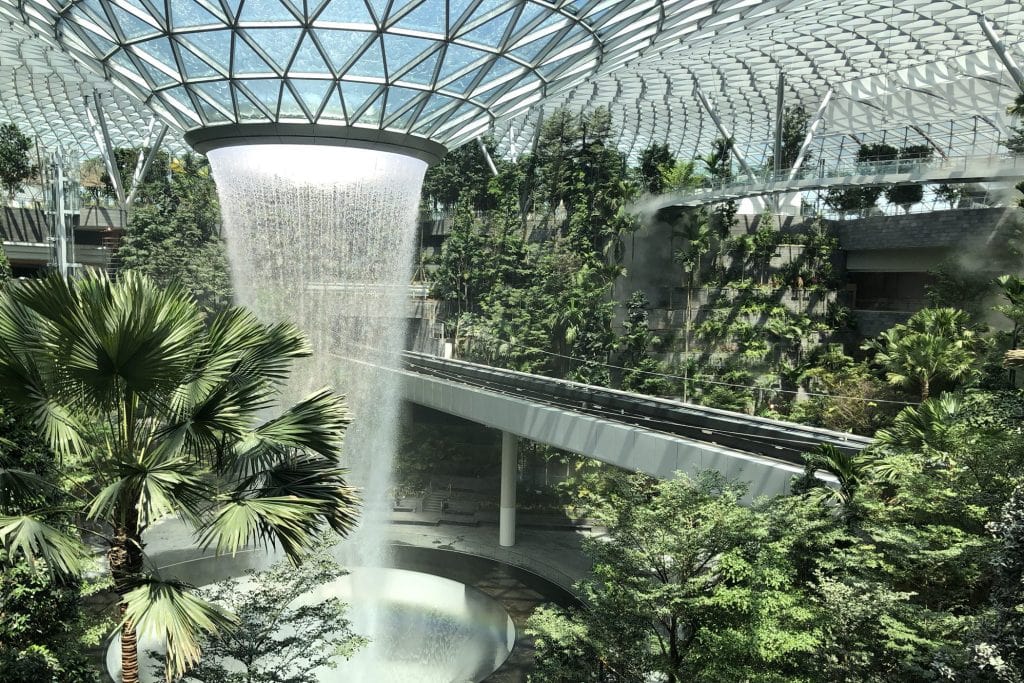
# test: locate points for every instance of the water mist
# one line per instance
(323, 237)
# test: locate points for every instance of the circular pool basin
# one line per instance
(423, 628)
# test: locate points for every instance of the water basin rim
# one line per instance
(203, 140)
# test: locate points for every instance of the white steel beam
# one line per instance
(819, 116)
(724, 132)
(143, 169)
(100, 123)
(1001, 51)
(487, 156)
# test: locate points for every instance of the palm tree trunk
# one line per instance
(924, 389)
(125, 558)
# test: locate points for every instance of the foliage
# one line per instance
(715, 603)
(640, 371)
(282, 635)
(656, 161)
(462, 174)
(795, 121)
(935, 347)
(164, 408)
(15, 162)
(1015, 142)
(174, 234)
(5, 268)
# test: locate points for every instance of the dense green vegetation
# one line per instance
(156, 412)
(909, 569)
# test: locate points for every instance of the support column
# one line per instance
(815, 122)
(1004, 55)
(724, 132)
(507, 509)
(487, 157)
(780, 114)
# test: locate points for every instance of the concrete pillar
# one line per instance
(507, 506)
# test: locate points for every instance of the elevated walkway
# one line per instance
(639, 433)
(972, 169)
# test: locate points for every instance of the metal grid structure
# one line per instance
(908, 71)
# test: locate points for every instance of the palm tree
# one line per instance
(698, 242)
(923, 429)
(162, 409)
(848, 468)
(934, 345)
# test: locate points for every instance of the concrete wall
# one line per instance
(953, 228)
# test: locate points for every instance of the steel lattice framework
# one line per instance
(451, 70)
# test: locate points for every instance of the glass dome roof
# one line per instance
(436, 69)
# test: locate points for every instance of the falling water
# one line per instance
(323, 237)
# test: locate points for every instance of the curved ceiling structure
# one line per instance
(450, 70)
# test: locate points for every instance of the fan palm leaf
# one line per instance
(171, 612)
(30, 537)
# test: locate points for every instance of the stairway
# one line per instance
(111, 244)
(434, 501)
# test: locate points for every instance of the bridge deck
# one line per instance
(903, 172)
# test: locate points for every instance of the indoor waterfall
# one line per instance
(323, 237)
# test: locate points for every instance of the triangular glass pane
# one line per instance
(215, 91)
(267, 91)
(188, 13)
(278, 43)
(340, 46)
(487, 7)
(214, 45)
(403, 122)
(246, 60)
(461, 85)
(309, 60)
(100, 42)
(436, 102)
(333, 111)
(370, 117)
(501, 67)
(247, 110)
(370, 64)
(178, 99)
(356, 95)
(399, 97)
(159, 49)
(264, 11)
(378, 7)
(491, 33)
(423, 73)
(312, 92)
(194, 66)
(211, 114)
(401, 50)
(530, 50)
(529, 13)
(456, 58)
(156, 76)
(456, 8)
(345, 12)
(290, 108)
(131, 25)
(428, 18)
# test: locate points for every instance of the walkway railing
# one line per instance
(824, 174)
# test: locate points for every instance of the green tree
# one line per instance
(795, 120)
(173, 234)
(655, 162)
(281, 636)
(164, 409)
(15, 162)
(714, 603)
(1015, 142)
(935, 346)
(640, 371)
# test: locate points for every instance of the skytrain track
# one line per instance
(776, 439)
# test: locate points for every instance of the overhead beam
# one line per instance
(1000, 47)
(99, 123)
(487, 156)
(928, 138)
(724, 132)
(143, 164)
(780, 100)
(819, 116)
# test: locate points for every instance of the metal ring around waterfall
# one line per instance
(203, 140)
